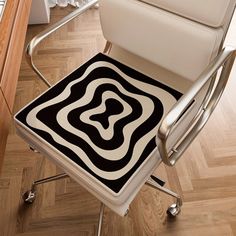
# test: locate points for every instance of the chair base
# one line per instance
(30, 196)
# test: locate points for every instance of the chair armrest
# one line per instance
(44, 34)
(170, 155)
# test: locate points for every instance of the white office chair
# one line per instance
(111, 122)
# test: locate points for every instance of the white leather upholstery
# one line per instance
(210, 12)
(175, 43)
(152, 70)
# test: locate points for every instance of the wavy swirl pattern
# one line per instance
(104, 116)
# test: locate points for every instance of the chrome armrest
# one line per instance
(170, 155)
(44, 34)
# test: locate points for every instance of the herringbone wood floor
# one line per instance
(205, 176)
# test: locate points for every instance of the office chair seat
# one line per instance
(99, 124)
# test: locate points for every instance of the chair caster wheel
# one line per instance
(173, 210)
(29, 197)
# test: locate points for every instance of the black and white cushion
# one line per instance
(99, 124)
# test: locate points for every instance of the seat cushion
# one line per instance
(210, 12)
(99, 124)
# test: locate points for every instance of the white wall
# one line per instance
(40, 12)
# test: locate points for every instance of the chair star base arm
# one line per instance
(30, 195)
(175, 208)
(169, 156)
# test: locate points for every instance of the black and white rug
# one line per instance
(104, 116)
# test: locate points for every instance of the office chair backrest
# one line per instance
(213, 13)
(182, 36)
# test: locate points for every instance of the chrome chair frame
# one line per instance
(225, 59)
